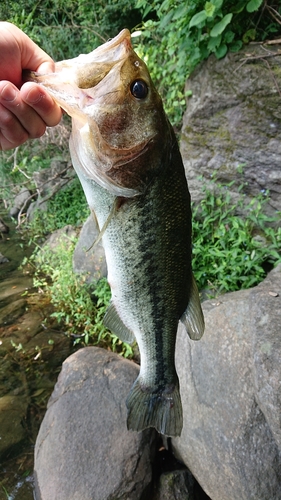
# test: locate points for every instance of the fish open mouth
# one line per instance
(83, 72)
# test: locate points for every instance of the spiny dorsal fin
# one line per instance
(113, 322)
(192, 317)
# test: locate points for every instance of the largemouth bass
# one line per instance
(126, 155)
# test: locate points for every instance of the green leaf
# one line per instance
(214, 42)
(253, 5)
(198, 18)
(250, 35)
(218, 3)
(228, 36)
(235, 46)
(180, 11)
(221, 51)
(209, 9)
(220, 27)
(166, 20)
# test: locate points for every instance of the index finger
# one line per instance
(38, 98)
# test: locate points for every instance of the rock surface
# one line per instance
(12, 413)
(176, 485)
(83, 449)
(4, 228)
(231, 393)
(89, 257)
(3, 259)
(21, 201)
(12, 311)
(232, 125)
(48, 182)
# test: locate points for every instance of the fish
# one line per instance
(126, 155)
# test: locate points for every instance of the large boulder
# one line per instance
(89, 257)
(83, 449)
(231, 393)
(231, 127)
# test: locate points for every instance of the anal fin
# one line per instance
(192, 317)
(113, 322)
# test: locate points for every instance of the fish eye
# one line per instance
(139, 89)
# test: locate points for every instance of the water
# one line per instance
(29, 364)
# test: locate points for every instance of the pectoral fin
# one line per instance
(192, 317)
(113, 322)
(104, 228)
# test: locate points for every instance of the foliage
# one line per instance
(78, 306)
(231, 252)
(17, 166)
(68, 206)
(176, 36)
(65, 28)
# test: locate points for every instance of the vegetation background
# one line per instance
(173, 37)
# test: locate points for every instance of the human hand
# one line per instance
(25, 108)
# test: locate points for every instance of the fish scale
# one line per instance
(127, 158)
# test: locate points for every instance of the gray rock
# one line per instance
(63, 235)
(3, 259)
(48, 182)
(3, 227)
(232, 123)
(230, 386)
(175, 485)
(89, 258)
(83, 449)
(12, 413)
(22, 200)
(10, 312)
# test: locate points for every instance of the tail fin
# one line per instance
(161, 410)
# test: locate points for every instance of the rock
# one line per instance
(22, 200)
(12, 413)
(89, 258)
(11, 312)
(231, 393)
(3, 259)
(175, 485)
(232, 125)
(3, 227)
(48, 182)
(83, 449)
(63, 235)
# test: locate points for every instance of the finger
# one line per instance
(27, 117)
(12, 134)
(41, 102)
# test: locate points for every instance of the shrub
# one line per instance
(231, 252)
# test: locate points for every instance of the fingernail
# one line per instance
(34, 96)
(9, 93)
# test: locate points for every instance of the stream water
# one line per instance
(31, 355)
